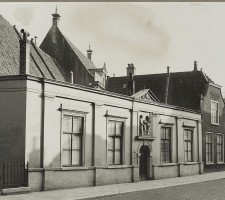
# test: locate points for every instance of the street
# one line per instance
(209, 190)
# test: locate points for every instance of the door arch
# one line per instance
(144, 162)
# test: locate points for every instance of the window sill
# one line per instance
(118, 166)
(220, 163)
(189, 163)
(215, 124)
(165, 164)
(210, 163)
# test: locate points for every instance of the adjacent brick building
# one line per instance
(193, 90)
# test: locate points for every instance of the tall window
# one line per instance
(209, 147)
(219, 148)
(72, 140)
(165, 144)
(115, 140)
(188, 145)
(214, 112)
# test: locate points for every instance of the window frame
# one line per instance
(192, 143)
(212, 152)
(217, 103)
(122, 151)
(222, 145)
(170, 148)
(83, 136)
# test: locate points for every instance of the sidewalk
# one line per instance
(88, 192)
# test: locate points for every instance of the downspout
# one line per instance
(167, 84)
(42, 130)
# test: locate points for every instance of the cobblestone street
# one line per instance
(205, 186)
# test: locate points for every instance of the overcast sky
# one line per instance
(152, 36)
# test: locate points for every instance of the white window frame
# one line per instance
(171, 144)
(210, 162)
(118, 119)
(75, 114)
(222, 147)
(192, 144)
(215, 123)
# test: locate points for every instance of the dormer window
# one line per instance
(214, 112)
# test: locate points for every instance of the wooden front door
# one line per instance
(143, 167)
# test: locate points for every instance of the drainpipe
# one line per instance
(42, 130)
(167, 84)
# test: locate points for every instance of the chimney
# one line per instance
(195, 66)
(35, 40)
(131, 69)
(168, 69)
(89, 52)
(55, 19)
(71, 77)
(131, 85)
(24, 53)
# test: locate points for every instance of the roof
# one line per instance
(86, 61)
(184, 89)
(41, 64)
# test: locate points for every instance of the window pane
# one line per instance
(189, 156)
(110, 143)
(117, 157)
(77, 124)
(66, 141)
(76, 141)
(163, 133)
(168, 133)
(110, 157)
(117, 143)
(67, 123)
(119, 128)
(186, 156)
(112, 126)
(185, 135)
(189, 146)
(76, 157)
(66, 157)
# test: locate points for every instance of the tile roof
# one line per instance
(41, 64)
(185, 88)
(86, 62)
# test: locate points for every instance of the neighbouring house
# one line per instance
(72, 59)
(191, 89)
(74, 136)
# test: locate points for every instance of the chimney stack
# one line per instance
(55, 19)
(24, 53)
(71, 77)
(89, 52)
(131, 69)
(195, 66)
(131, 85)
(168, 69)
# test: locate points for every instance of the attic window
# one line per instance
(124, 85)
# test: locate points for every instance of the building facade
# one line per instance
(191, 89)
(74, 136)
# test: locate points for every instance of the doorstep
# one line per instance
(19, 190)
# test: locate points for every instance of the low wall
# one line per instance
(63, 178)
(165, 170)
(113, 175)
(192, 168)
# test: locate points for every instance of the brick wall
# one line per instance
(212, 93)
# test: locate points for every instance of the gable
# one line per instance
(146, 94)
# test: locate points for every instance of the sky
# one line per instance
(151, 35)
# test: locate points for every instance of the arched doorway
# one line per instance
(144, 162)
